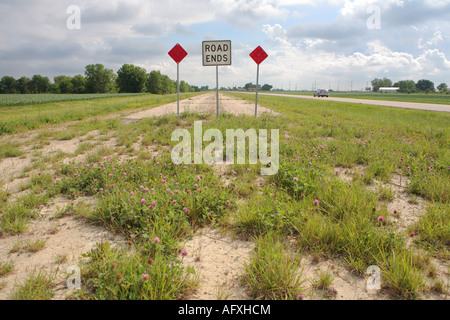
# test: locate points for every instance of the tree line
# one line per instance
(409, 86)
(97, 79)
(265, 87)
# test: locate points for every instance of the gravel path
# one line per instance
(205, 103)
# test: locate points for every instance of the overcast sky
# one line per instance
(335, 43)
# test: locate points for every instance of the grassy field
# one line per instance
(413, 97)
(8, 100)
(332, 198)
(15, 119)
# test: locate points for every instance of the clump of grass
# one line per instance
(402, 275)
(223, 293)
(15, 219)
(385, 193)
(272, 272)
(262, 214)
(39, 182)
(432, 184)
(324, 284)
(10, 150)
(38, 286)
(65, 135)
(118, 274)
(99, 154)
(296, 180)
(30, 246)
(81, 210)
(4, 194)
(62, 212)
(6, 268)
(438, 286)
(35, 246)
(325, 280)
(16, 247)
(84, 147)
(433, 229)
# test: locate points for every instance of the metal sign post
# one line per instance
(217, 89)
(258, 55)
(178, 54)
(256, 99)
(178, 90)
(217, 53)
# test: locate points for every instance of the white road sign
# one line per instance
(217, 53)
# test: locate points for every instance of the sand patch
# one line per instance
(219, 260)
(65, 239)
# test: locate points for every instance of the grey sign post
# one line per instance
(217, 53)
(178, 54)
(258, 55)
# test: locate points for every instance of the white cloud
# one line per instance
(276, 33)
(433, 62)
(303, 45)
(352, 7)
(437, 38)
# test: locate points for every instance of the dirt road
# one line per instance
(394, 104)
(205, 103)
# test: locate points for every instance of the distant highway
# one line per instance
(384, 103)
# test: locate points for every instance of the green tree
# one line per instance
(425, 85)
(99, 79)
(63, 84)
(40, 84)
(23, 85)
(442, 87)
(184, 87)
(155, 83)
(169, 86)
(378, 83)
(8, 85)
(406, 86)
(266, 87)
(251, 85)
(131, 78)
(79, 84)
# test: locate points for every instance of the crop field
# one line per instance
(7, 100)
(358, 187)
(404, 97)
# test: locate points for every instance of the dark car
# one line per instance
(321, 93)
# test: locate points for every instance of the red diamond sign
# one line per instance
(177, 53)
(259, 55)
